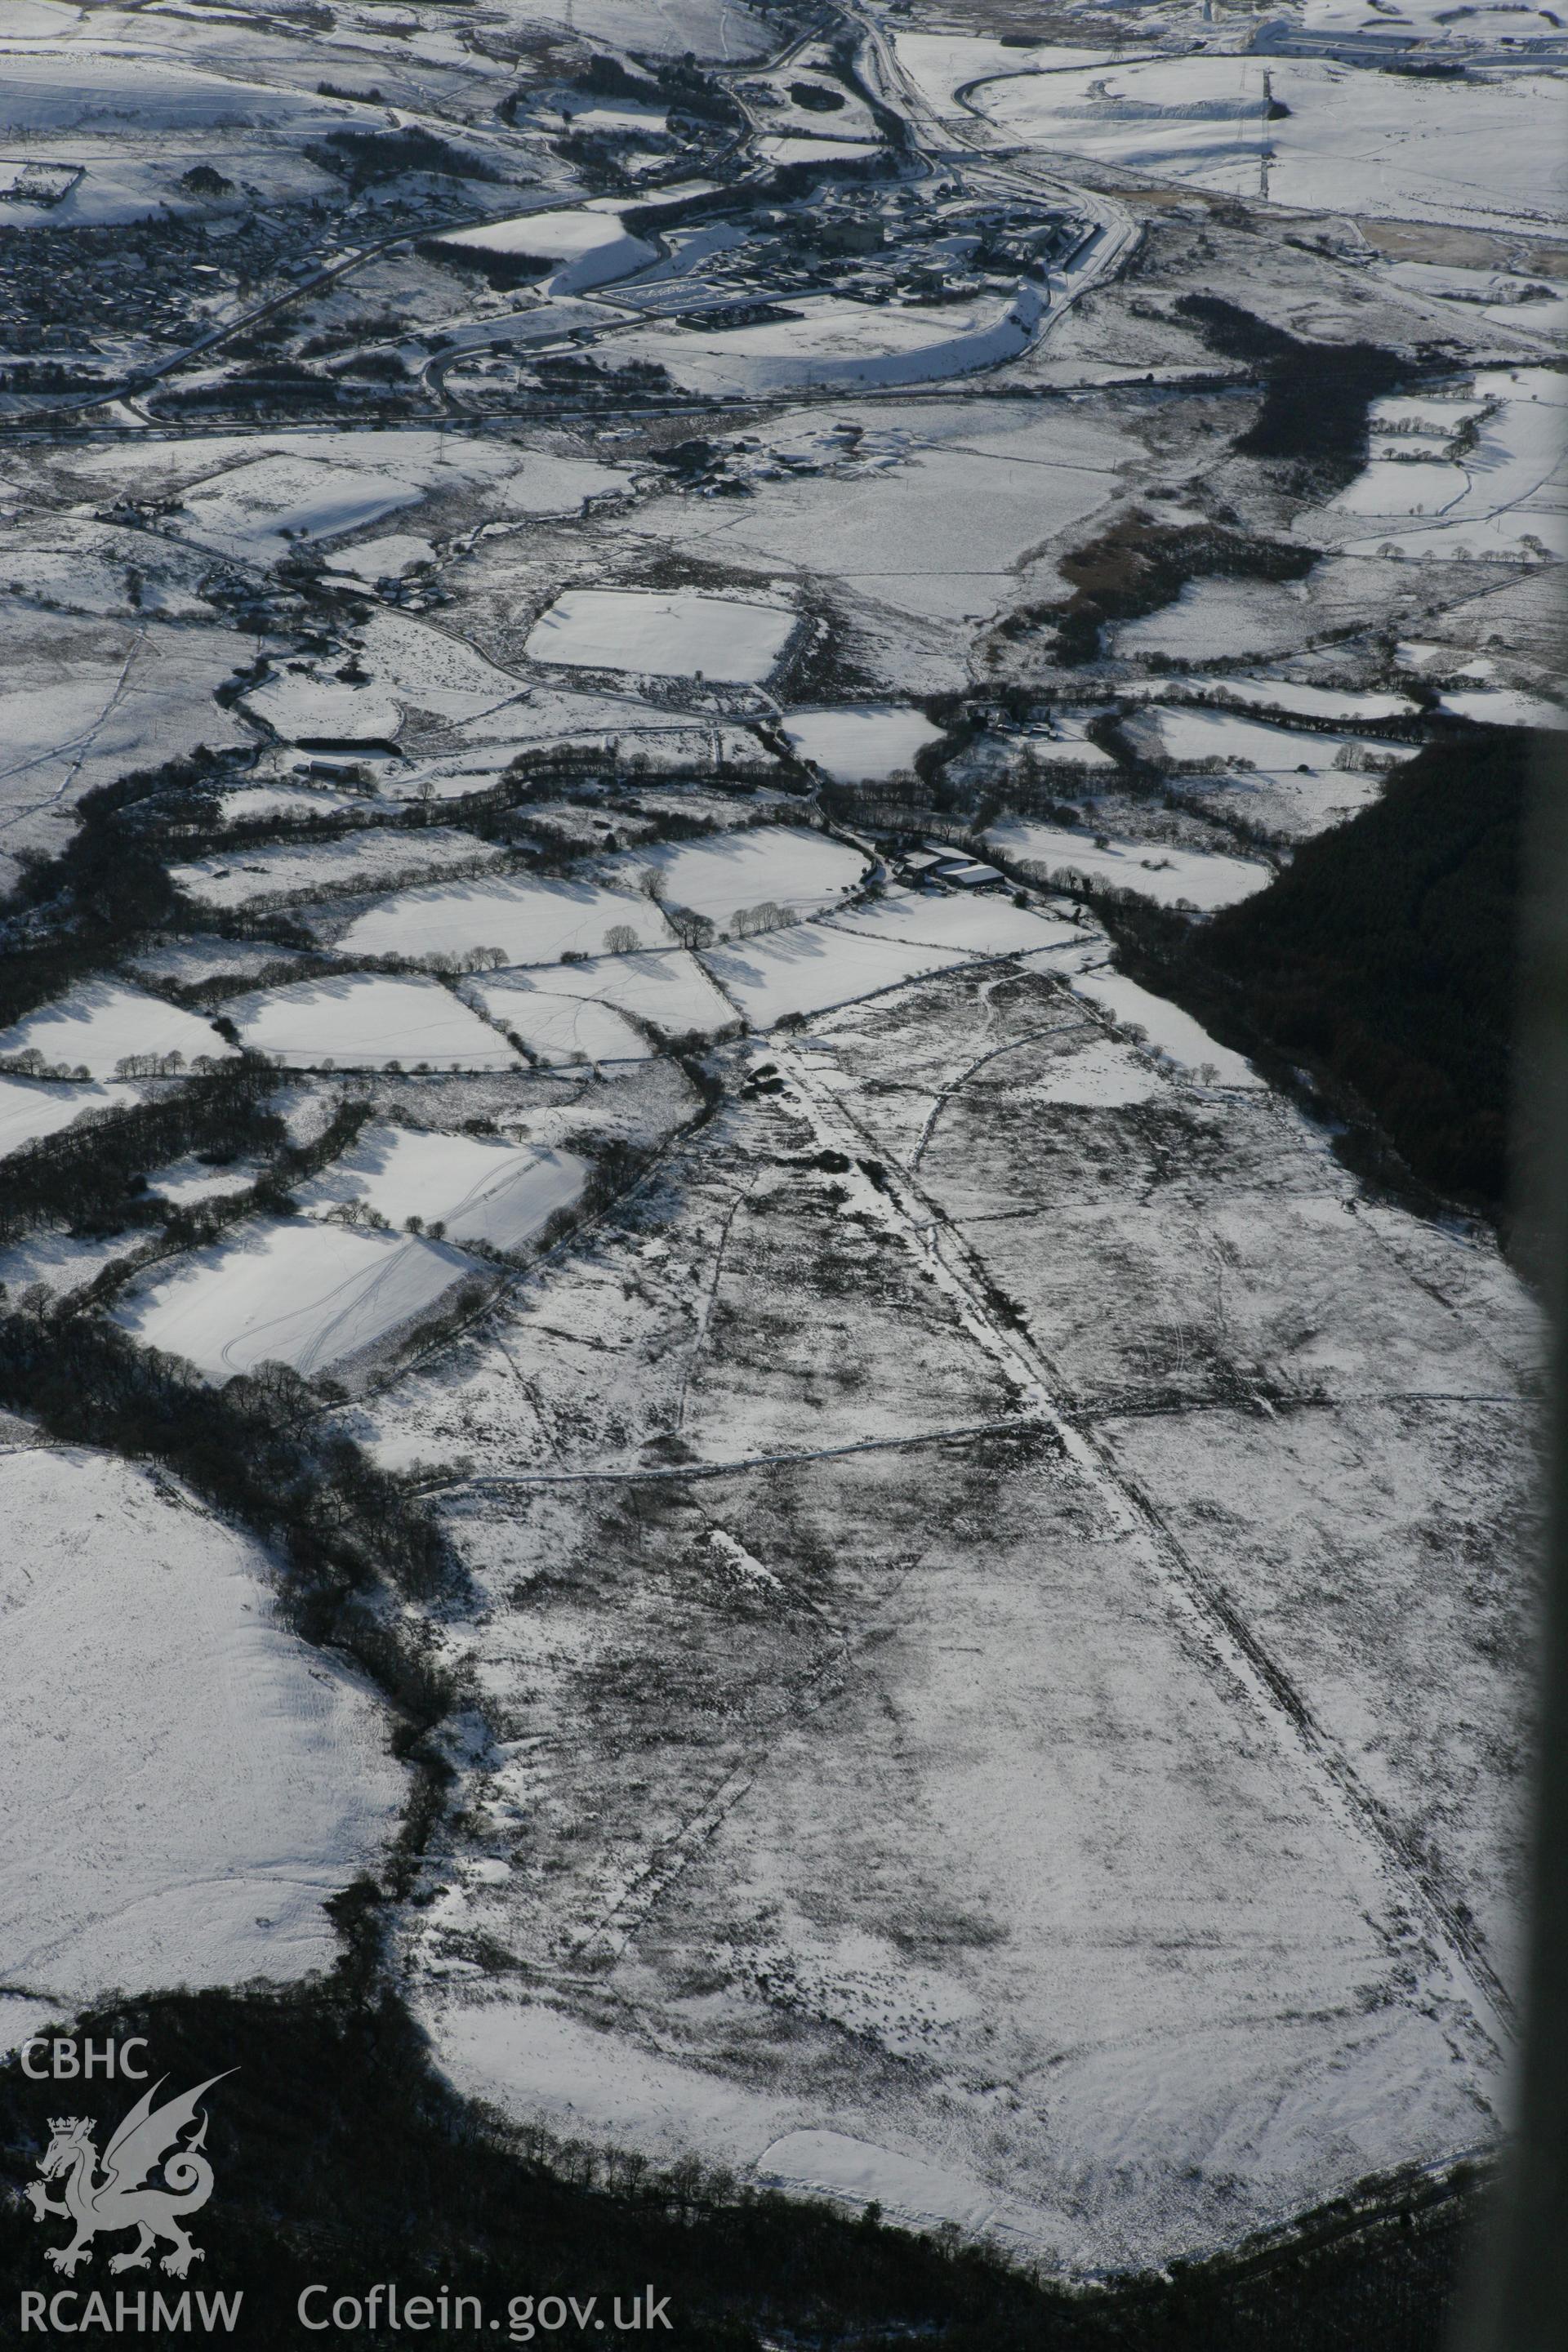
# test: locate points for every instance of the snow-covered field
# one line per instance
(814, 965)
(404, 662)
(478, 1188)
(1355, 141)
(188, 1782)
(81, 707)
(589, 248)
(1431, 21)
(677, 633)
(861, 742)
(258, 509)
(301, 1292)
(1299, 781)
(834, 340)
(792, 867)
(80, 563)
(945, 522)
(29, 1109)
(1340, 706)
(1506, 706)
(185, 1181)
(386, 558)
(304, 708)
(984, 923)
(376, 859)
(295, 803)
(248, 482)
(811, 148)
(74, 102)
(1199, 119)
(1244, 619)
(548, 484)
(1507, 496)
(1098, 1073)
(715, 29)
(529, 921)
(1171, 876)
(940, 64)
(1502, 298)
(367, 1021)
(1173, 1035)
(665, 987)
(100, 1025)
(907, 1527)
(203, 955)
(954, 1868)
(557, 1029)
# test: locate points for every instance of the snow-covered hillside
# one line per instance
(642, 648)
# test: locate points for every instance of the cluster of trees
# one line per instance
(74, 912)
(1382, 960)
(364, 158)
(450, 967)
(500, 271)
(893, 803)
(52, 375)
(377, 367)
(272, 384)
(212, 988)
(175, 1226)
(345, 2156)
(92, 1174)
(588, 380)
(663, 823)
(33, 1065)
(1316, 395)
(342, 1526)
(205, 180)
(747, 921)
(160, 1065)
(1139, 565)
(1399, 727)
(692, 929)
(545, 766)
(368, 326)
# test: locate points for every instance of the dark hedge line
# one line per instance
(342, 2157)
(254, 1448)
(93, 1175)
(71, 913)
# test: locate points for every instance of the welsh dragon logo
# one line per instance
(121, 2195)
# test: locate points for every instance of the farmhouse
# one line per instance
(934, 862)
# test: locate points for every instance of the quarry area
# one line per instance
(604, 609)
